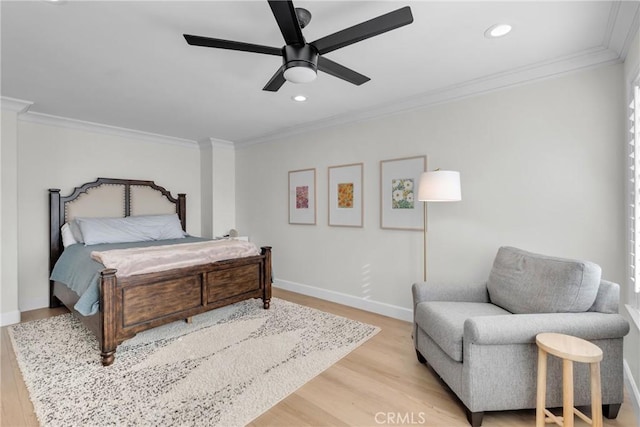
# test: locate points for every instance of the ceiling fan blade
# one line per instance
(232, 45)
(341, 72)
(285, 15)
(364, 30)
(276, 81)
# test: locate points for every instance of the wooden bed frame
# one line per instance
(133, 304)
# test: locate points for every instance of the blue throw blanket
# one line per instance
(80, 273)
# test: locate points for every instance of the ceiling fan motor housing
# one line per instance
(300, 56)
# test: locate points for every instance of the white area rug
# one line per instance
(225, 369)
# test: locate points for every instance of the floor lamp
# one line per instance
(437, 186)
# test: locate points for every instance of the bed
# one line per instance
(132, 304)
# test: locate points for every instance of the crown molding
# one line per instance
(211, 142)
(15, 105)
(624, 20)
(205, 144)
(591, 58)
(47, 119)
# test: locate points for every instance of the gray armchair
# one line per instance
(480, 339)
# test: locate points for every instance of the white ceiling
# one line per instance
(125, 64)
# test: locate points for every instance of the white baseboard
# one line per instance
(632, 388)
(385, 309)
(9, 318)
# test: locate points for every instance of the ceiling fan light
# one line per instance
(300, 74)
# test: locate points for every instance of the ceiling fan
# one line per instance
(301, 60)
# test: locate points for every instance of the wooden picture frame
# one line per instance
(345, 195)
(399, 205)
(302, 197)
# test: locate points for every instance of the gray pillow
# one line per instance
(524, 282)
(130, 229)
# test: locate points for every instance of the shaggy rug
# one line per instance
(225, 369)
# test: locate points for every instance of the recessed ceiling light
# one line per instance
(299, 98)
(497, 30)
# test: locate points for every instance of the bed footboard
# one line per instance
(133, 304)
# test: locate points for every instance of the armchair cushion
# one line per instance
(607, 298)
(468, 292)
(524, 282)
(523, 328)
(444, 321)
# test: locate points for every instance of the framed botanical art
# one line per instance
(345, 195)
(302, 197)
(399, 205)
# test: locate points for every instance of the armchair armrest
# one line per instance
(426, 291)
(523, 328)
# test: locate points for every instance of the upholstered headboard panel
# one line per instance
(109, 197)
(103, 201)
(148, 201)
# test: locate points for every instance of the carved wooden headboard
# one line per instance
(109, 197)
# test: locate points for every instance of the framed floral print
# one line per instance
(302, 197)
(399, 205)
(345, 195)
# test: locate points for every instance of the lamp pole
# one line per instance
(424, 243)
(437, 186)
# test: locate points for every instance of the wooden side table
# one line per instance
(569, 349)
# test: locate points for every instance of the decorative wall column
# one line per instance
(217, 183)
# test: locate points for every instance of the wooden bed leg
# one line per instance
(108, 358)
(53, 300)
(189, 320)
(108, 316)
(267, 277)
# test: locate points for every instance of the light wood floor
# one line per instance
(380, 383)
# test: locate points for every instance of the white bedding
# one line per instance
(134, 261)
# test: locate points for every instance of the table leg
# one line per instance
(567, 393)
(596, 397)
(542, 388)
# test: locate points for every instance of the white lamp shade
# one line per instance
(300, 74)
(439, 186)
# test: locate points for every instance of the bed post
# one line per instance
(181, 208)
(55, 247)
(108, 301)
(266, 296)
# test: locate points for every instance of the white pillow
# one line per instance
(130, 229)
(67, 236)
(75, 230)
